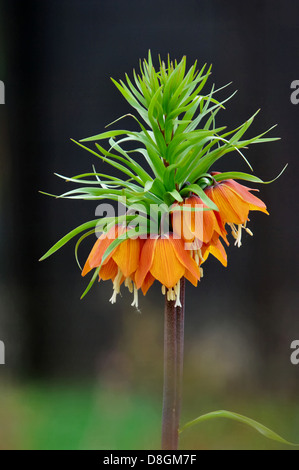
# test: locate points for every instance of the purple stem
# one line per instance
(173, 370)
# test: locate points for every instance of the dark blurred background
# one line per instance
(85, 374)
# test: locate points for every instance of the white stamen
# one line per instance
(163, 289)
(196, 258)
(234, 230)
(113, 298)
(200, 255)
(135, 301)
(116, 282)
(201, 272)
(172, 295)
(129, 284)
(116, 286)
(178, 294)
(239, 236)
(237, 232)
(197, 244)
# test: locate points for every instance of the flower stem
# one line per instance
(173, 370)
(180, 321)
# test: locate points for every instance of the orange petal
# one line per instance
(188, 225)
(232, 208)
(192, 219)
(184, 257)
(127, 256)
(204, 222)
(95, 256)
(191, 278)
(87, 268)
(108, 270)
(182, 222)
(166, 266)
(210, 224)
(217, 249)
(147, 283)
(254, 202)
(146, 261)
(205, 251)
(177, 219)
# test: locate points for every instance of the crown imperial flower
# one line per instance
(174, 187)
(177, 208)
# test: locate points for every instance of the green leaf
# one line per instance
(125, 162)
(85, 235)
(102, 136)
(68, 237)
(175, 195)
(243, 128)
(91, 283)
(109, 161)
(154, 123)
(169, 177)
(143, 175)
(131, 99)
(194, 188)
(241, 419)
(150, 153)
(236, 175)
(158, 188)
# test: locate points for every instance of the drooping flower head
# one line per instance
(165, 259)
(177, 209)
(119, 265)
(234, 201)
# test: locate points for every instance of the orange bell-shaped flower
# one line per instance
(193, 219)
(234, 202)
(120, 265)
(165, 259)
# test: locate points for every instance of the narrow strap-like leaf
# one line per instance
(236, 175)
(91, 283)
(69, 236)
(241, 419)
(196, 189)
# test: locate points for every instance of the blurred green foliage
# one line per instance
(44, 416)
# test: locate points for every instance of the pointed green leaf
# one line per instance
(241, 419)
(91, 283)
(68, 237)
(236, 175)
(194, 188)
